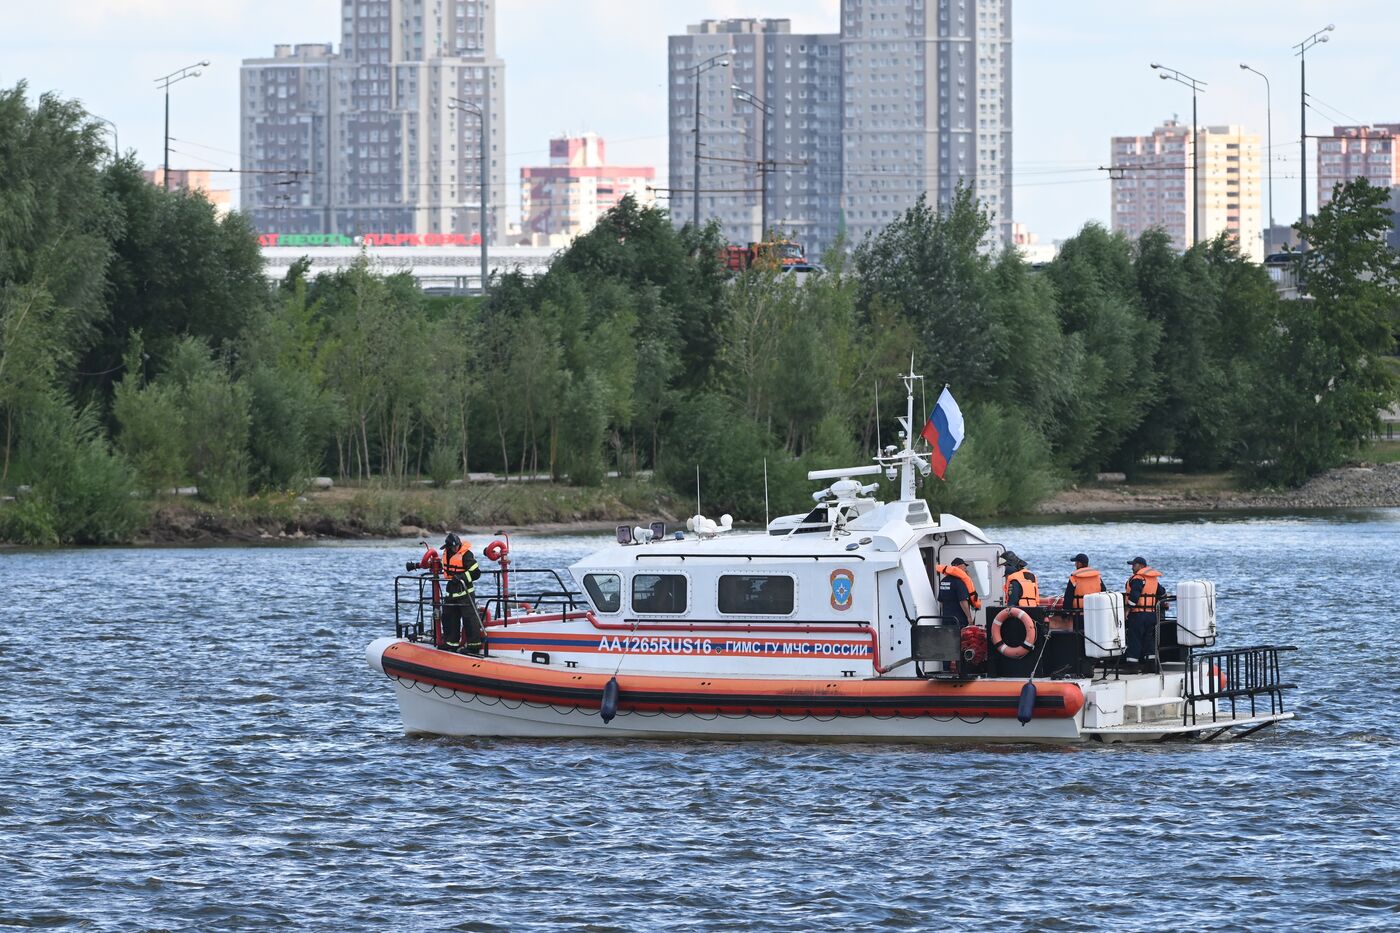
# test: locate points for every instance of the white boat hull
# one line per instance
(433, 710)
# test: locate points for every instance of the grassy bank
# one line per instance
(372, 510)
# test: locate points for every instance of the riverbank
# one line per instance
(350, 512)
(1368, 486)
(372, 511)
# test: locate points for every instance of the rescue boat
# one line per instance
(820, 626)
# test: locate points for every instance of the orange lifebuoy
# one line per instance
(1014, 651)
(496, 550)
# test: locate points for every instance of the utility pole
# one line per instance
(189, 71)
(717, 61)
(1171, 74)
(1302, 47)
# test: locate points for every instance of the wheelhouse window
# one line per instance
(752, 595)
(604, 590)
(659, 592)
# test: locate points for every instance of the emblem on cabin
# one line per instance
(842, 582)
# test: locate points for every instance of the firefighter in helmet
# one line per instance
(461, 625)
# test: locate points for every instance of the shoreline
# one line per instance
(1344, 488)
(1355, 487)
(367, 514)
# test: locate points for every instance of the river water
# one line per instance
(191, 740)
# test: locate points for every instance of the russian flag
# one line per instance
(944, 432)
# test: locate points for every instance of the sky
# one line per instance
(1080, 75)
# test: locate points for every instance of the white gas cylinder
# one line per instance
(1195, 613)
(1104, 633)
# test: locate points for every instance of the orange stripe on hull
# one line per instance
(544, 684)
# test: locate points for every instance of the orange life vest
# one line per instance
(1151, 590)
(461, 565)
(1030, 589)
(1086, 580)
(948, 570)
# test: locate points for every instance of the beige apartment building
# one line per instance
(1357, 152)
(565, 198)
(1152, 185)
(193, 179)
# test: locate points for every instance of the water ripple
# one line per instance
(190, 740)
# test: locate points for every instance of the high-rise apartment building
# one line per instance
(910, 97)
(797, 78)
(565, 198)
(385, 136)
(926, 107)
(1152, 185)
(1358, 152)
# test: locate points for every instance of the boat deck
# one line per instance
(1205, 729)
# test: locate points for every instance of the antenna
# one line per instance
(697, 489)
(765, 493)
(879, 450)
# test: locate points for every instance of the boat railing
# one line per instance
(1235, 677)
(500, 595)
(525, 591)
(417, 605)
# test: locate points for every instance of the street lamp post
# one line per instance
(483, 114)
(763, 163)
(715, 61)
(1171, 74)
(1302, 47)
(189, 71)
(1269, 123)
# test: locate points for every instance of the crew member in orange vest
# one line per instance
(461, 625)
(1142, 593)
(1021, 587)
(957, 594)
(1083, 581)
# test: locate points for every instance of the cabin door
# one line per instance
(983, 567)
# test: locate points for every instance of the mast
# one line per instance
(907, 455)
(894, 463)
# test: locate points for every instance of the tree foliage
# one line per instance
(141, 347)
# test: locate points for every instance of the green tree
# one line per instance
(929, 267)
(150, 424)
(1328, 381)
(177, 270)
(80, 492)
(1109, 351)
(216, 418)
(56, 225)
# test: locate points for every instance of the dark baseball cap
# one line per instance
(959, 562)
(1080, 558)
(1008, 558)
(1137, 560)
